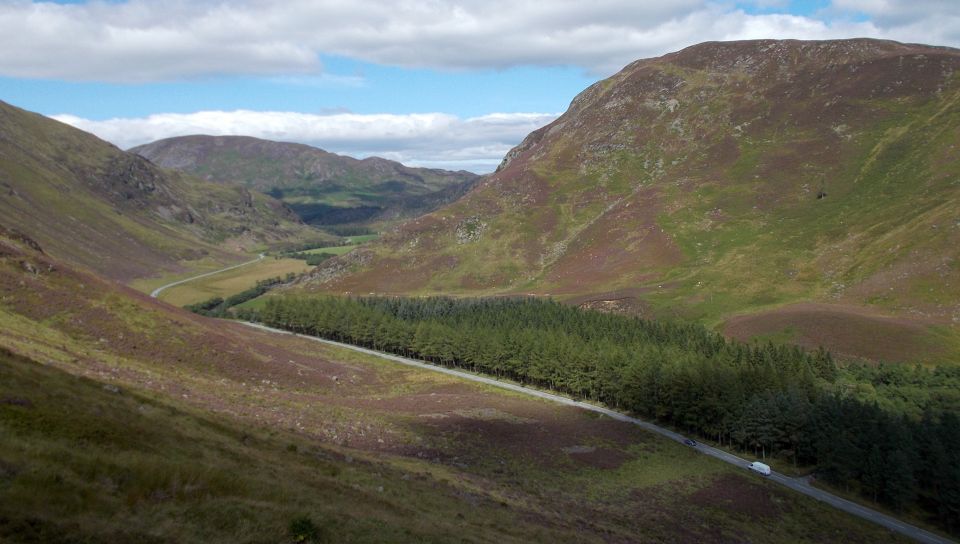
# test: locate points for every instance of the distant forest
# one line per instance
(890, 433)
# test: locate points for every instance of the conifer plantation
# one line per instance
(888, 432)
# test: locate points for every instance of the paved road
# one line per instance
(795, 484)
(156, 292)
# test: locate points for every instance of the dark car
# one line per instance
(691, 443)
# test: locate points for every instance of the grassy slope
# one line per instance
(304, 175)
(158, 471)
(688, 184)
(89, 203)
(196, 445)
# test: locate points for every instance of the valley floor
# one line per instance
(183, 428)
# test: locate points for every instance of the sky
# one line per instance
(437, 83)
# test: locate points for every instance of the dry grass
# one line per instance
(190, 269)
(231, 282)
(848, 331)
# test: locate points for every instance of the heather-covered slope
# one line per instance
(322, 187)
(723, 179)
(90, 203)
(125, 419)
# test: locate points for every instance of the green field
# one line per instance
(192, 269)
(231, 282)
(362, 239)
(333, 250)
(234, 281)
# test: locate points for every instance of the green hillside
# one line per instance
(89, 203)
(716, 183)
(324, 188)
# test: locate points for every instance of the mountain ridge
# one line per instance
(724, 179)
(324, 188)
(92, 204)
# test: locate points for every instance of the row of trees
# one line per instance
(769, 399)
(218, 306)
(313, 259)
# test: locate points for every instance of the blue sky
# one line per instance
(443, 83)
(346, 84)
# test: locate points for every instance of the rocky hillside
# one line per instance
(726, 179)
(114, 212)
(323, 188)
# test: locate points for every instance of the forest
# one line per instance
(889, 433)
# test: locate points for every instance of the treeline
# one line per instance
(312, 259)
(218, 306)
(771, 400)
(348, 230)
(326, 215)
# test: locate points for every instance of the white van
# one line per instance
(762, 468)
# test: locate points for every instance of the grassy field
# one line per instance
(231, 282)
(362, 239)
(235, 281)
(257, 303)
(333, 250)
(193, 268)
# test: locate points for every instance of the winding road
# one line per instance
(796, 484)
(156, 292)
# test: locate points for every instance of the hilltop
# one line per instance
(804, 191)
(323, 188)
(89, 203)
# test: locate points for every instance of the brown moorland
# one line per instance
(394, 439)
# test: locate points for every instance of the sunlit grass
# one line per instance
(231, 282)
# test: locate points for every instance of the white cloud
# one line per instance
(427, 139)
(935, 22)
(145, 40)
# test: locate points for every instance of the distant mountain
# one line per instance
(727, 182)
(89, 203)
(322, 187)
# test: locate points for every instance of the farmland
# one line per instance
(232, 282)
